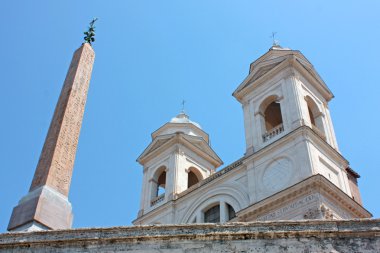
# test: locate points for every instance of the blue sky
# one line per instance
(150, 55)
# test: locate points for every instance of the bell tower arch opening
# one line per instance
(159, 182)
(272, 121)
(272, 115)
(315, 116)
(193, 177)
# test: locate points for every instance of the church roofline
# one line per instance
(294, 59)
(270, 52)
(167, 125)
(352, 172)
(187, 140)
(300, 130)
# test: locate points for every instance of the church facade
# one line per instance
(292, 168)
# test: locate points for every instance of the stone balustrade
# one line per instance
(210, 178)
(273, 132)
(157, 199)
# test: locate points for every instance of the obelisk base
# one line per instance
(40, 207)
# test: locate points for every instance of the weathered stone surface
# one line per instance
(58, 154)
(284, 236)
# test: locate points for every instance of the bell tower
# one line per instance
(178, 157)
(288, 128)
(281, 93)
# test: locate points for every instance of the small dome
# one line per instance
(184, 118)
(181, 124)
(278, 47)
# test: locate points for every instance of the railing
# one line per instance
(157, 199)
(210, 178)
(273, 132)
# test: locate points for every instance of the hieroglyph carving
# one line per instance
(58, 154)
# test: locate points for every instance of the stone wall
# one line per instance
(284, 236)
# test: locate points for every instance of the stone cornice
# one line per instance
(201, 232)
(302, 130)
(316, 183)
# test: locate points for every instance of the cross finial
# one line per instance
(183, 105)
(274, 41)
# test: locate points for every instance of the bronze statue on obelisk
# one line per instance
(46, 206)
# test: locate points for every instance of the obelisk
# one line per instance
(46, 206)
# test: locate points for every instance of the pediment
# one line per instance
(195, 143)
(263, 70)
(275, 61)
(257, 72)
(203, 146)
(158, 144)
(155, 145)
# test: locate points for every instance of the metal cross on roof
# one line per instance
(274, 41)
(183, 105)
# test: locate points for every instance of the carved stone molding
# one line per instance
(313, 214)
(321, 212)
(304, 195)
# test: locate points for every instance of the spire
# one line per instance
(46, 206)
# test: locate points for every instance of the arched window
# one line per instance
(219, 212)
(272, 115)
(212, 215)
(158, 185)
(231, 212)
(311, 115)
(161, 184)
(272, 123)
(315, 117)
(193, 177)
